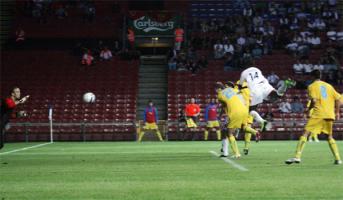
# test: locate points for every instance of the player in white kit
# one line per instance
(261, 90)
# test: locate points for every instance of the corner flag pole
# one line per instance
(50, 122)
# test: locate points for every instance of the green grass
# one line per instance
(169, 170)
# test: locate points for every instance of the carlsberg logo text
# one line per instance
(147, 25)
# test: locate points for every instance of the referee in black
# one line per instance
(7, 106)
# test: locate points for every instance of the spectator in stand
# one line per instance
(181, 63)
(61, 13)
(172, 64)
(228, 48)
(150, 121)
(294, 24)
(87, 58)
(273, 79)
(247, 58)
(106, 54)
(192, 112)
(241, 40)
(332, 3)
(218, 50)
(204, 26)
(285, 107)
(178, 37)
(317, 24)
(318, 66)
(269, 29)
(329, 60)
(298, 67)
(247, 11)
(116, 47)
(191, 54)
(88, 12)
(192, 66)
(297, 106)
(257, 22)
(257, 51)
(314, 41)
(332, 34)
(308, 67)
(20, 35)
(330, 15)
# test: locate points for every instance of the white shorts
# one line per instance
(260, 92)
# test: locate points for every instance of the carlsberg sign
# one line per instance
(147, 26)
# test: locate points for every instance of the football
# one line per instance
(89, 97)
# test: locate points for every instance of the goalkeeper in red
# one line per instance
(325, 102)
(7, 107)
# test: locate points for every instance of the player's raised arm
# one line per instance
(23, 100)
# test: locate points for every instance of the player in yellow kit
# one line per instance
(325, 102)
(244, 91)
(236, 111)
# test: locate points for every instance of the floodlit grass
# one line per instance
(168, 170)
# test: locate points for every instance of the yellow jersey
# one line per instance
(245, 92)
(234, 104)
(324, 96)
(311, 110)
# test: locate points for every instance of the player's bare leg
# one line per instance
(233, 143)
(334, 150)
(299, 149)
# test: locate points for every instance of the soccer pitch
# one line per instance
(168, 170)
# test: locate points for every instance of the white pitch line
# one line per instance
(25, 148)
(231, 162)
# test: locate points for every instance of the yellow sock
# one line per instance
(206, 134)
(159, 135)
(233, 145)
(334, 148)
(247, 139)
(248, 129)
(141, 134)
(300, 146)
(219, 134)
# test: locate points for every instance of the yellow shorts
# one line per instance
(317, 126)
(150, 126)
(237, 120)
(213, 124)
(190, 123)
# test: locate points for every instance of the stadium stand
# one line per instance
(56, 78)
(184, 85)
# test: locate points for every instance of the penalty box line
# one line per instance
(231, 162)
(25, 148)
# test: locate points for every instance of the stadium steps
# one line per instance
(152, 85)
